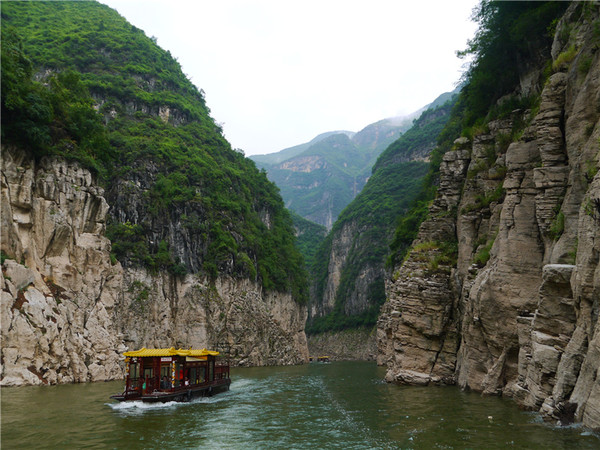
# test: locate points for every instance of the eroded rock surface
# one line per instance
(351, 344)
(68, 311)
(520, 306)
(60, 290)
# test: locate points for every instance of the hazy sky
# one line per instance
(278, 72)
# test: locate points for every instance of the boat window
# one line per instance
(193, 377)
(165, 371)
(133, 370)
(148, 372)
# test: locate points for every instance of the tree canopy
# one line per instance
(80, 82)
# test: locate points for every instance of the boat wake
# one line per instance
(133, 406)
(140, 406)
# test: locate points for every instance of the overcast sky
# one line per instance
(278, 72)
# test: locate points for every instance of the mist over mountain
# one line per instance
(319, 178)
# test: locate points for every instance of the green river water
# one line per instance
(341, 405)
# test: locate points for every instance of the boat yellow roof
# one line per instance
(149, 352)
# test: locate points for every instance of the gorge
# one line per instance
(514, 311)
(470, 257)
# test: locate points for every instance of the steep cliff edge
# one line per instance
(60, 292)
(127, 218)
(516, 313)
(68, 311)
(348, 285)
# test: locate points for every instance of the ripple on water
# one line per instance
(340, 405)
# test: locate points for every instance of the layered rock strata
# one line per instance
(68, 311)
(60, 291)
(354, 344)
(520, 305)
(249, 326)
(417, 329)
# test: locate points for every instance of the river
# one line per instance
(339, 405)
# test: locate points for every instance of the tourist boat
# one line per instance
(165, 375)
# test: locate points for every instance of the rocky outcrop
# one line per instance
(249, 326)
(522, 297)
(341, 247)
(60, 291)
(68, 310)
(347, 345)
(305, 164)
(418, 339)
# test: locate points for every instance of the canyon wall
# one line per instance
(516, 313)
(68, 310)
(346, 345)
(348, 285)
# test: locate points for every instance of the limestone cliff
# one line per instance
(60, 292)
(348, 277)
(68, 311)
(345, 345)
(517, 313)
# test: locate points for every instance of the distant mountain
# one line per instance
(348, 272)
(290, 152)
(318, 179)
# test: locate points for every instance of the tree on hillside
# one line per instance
(509, 34)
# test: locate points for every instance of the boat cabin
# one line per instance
(173, 375)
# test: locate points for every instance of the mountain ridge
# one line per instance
(128, 220)
(318, 179)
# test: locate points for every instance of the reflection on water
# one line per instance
(338, 405)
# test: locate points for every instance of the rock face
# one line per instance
(349, 345)
(517, 314)
(234, 316)
(60, 292)
(417, 329)
(67, 311)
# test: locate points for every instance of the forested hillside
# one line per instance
(309, 236)
(80, 82)
(320, 178)
(349, 269)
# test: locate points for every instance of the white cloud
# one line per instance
(277, 73)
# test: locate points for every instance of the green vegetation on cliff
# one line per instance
(309, 236)
(395, 182)
(80, 82)
(320, 178)
(511, 36)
